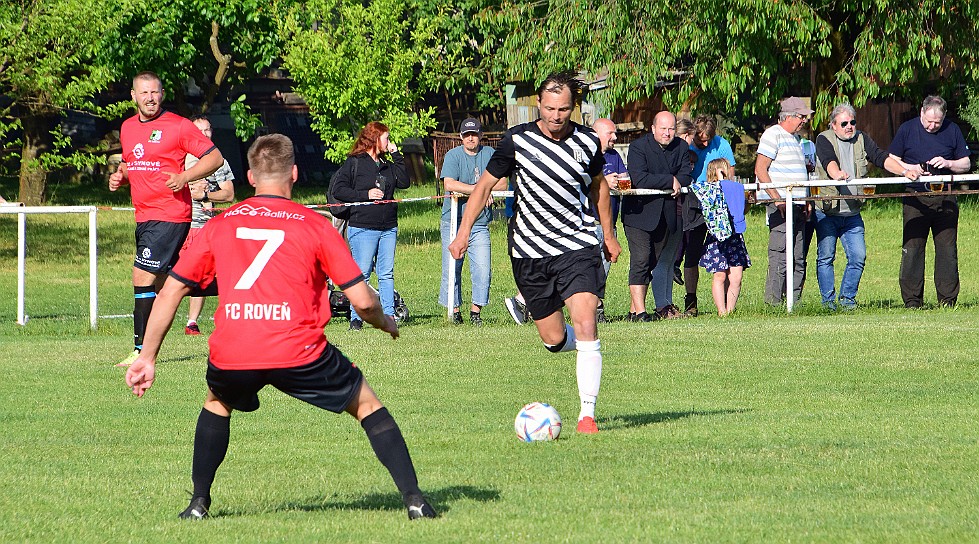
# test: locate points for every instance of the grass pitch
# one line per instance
(761, 427)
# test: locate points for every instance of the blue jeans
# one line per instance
(480, 266)
(373, 251)
(849, 231)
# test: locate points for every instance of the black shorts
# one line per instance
(645, 250)
(330, 382)
(158, 245)
(547, 282)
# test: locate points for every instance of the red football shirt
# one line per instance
(150, 148)
(272, 257)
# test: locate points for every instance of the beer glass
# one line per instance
(625, 182)
(869, 189)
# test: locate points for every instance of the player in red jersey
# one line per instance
(154, 145)
(273, 257)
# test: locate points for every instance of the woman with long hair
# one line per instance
(373, 170)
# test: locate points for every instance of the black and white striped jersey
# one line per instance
(551, 180)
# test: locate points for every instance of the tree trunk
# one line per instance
(37, 141)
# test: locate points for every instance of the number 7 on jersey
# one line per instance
(273, 239)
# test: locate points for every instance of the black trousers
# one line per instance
(940, 216)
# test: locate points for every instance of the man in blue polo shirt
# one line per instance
(930, 145)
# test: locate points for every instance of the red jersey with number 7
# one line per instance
(272, 258)
(151, 148)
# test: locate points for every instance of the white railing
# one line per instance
(22, 213)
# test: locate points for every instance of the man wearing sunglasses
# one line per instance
(844, 153)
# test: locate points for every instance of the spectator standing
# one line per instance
(460, 171)
(667, 272)
(284, 347)
(373, 230)
(725, 254)
(930, 145)
(656, 161)
(218, 187)
(614, 169)
(556, 166)
(809, 229)
(844, 153)
(707, 145)
(781, 159)
(155, 144)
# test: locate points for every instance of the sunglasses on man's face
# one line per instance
(852, 123)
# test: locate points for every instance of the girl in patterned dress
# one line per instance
(725, 254)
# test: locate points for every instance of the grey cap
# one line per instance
(795, 105)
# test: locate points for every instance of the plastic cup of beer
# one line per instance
(936, 186)
(625, 182)
(814, 190)
(869, 189)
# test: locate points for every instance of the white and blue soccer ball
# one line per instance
(537, 421)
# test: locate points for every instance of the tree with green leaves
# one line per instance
(48, 64)
(354, 62)
(217, 44)
(61, 55)
(741, 56)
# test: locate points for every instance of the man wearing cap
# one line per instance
(781, 159)
(461, 169)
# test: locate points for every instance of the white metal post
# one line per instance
(22, 213)
(93, 275)
(21, 257)
(789, 250)
(453, 230)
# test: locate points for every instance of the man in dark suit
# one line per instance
(656, 161)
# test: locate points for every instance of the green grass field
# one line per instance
(761, 427)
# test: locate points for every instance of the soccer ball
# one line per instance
(537, 421)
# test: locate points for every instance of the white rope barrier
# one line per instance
(787, 186)
(22, 212)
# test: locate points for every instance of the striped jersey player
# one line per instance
(556, 166)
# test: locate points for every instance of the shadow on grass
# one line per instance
(202, 355)
(440, 499)
(626, 421)
(895, 304)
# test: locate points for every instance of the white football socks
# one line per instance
(589, 371)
